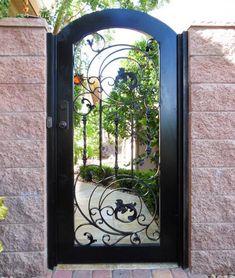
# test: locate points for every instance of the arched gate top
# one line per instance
(116, 18)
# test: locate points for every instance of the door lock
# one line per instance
(64, 114)
(62, 124)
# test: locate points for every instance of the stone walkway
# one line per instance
(125, 273)
(119, 223)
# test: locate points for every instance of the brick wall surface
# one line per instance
(22, 146)
(23, 158)
(212, 148)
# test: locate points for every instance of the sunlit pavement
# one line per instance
(111, 222)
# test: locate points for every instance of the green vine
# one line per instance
(4, 8)
(3, 214)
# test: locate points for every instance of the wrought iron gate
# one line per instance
(115, 116)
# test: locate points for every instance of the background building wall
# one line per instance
(212, 148)
(23, 146)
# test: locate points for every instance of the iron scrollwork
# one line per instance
(115, 219)
(115, 211)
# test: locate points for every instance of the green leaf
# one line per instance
(3, 210)
(65, 11)
(1, 246)
(4, 6)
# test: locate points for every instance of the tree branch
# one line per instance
(65, 4)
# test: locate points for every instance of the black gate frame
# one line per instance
(59, 174)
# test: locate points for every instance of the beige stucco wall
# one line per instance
(22, 146)
(212, 148)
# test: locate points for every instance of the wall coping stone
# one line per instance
(36, 22)
(212, 23)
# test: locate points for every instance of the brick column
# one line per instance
(212, 148)
(22, 146)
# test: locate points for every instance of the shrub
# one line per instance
(3, 214)
(143, 181)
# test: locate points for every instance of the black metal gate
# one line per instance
(116, 116)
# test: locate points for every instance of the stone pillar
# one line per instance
(23, 146)
(212, 148)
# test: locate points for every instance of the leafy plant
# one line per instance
(3, 214)
(46, 14)
(147, 182)
(65, 11)
(4, 7)
(130, 104)
(136, 102)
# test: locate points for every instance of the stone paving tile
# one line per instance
(156, 273)
(82, 274)
(62, 274)
(121, 273)
(141, 273)
(190, 275)
(102, 274)
(179, 273)
(133, 273)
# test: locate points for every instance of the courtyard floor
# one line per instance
(89, 196)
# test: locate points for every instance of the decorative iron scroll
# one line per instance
(114, 217)
(116, 208)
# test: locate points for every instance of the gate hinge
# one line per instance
(49, 122)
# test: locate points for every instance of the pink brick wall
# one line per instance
(212, 148)
(22, 146)
(23, 159)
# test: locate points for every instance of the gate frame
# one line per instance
(182, 133)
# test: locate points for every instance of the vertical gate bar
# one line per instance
(51, 152)
(183, 146)
(185, 190)
(180, 135)
(100, 131)
(65, 162)
(132, 144)
(116, 143)
(84, 158)
(148, 141)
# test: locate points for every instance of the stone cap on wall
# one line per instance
(213, 23)
(24, 22)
